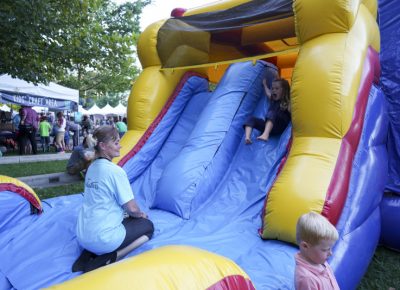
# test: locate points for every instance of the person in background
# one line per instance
(121, 126)
(60, 124)
(27, 128)
(16, 120)
(86, 125)
(110, 223)
(74, 128)
(81, 157)
(66, 136)
(44, 131)
(50, 118)
(315, 236)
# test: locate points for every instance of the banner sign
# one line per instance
(32, 100)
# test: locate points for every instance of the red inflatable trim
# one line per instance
(339, 185)
(233, 282)
(158, 119)
(22, 192)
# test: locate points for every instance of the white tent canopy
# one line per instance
(17, 91)
(95, 110)
(82, 110)
(108, 110)
(120, 110)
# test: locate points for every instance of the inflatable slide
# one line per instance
(225, 212)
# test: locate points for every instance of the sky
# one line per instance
(161, 9)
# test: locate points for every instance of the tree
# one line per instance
(85, 44)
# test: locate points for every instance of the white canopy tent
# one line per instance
(95, 110)
(108, 110)
(82, 110)
(16, 91)
(120, 110)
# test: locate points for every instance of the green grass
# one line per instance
(49, 192)
(33, 168)
(382, 273)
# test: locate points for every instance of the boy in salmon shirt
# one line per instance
(315, 236)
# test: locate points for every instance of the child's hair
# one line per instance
(104, 134)
(312, 228)
(285, 101)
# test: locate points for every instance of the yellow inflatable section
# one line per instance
(335, 37)
(14, 185)
(170, 267)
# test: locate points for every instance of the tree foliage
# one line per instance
(85, 44)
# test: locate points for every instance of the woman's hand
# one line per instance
(133, 209)
(138, 215)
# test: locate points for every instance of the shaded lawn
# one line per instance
(383, 272)
(49, 192)
(33, 168)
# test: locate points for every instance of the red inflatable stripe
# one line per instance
(339, 185)
(233, 282)
(158, 119)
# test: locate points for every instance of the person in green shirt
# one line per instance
(121, 127)
(44, 131)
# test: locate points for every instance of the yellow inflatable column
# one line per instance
(335, 36)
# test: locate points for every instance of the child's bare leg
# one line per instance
(265, 135)
(247, 133)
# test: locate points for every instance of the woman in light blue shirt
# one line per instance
(102, 228)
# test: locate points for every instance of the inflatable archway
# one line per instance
(18, 187)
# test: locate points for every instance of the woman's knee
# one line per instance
(137, 227)
(148, 228)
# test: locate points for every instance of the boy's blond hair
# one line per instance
(312, 228)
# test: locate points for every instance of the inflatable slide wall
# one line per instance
(225, 212)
